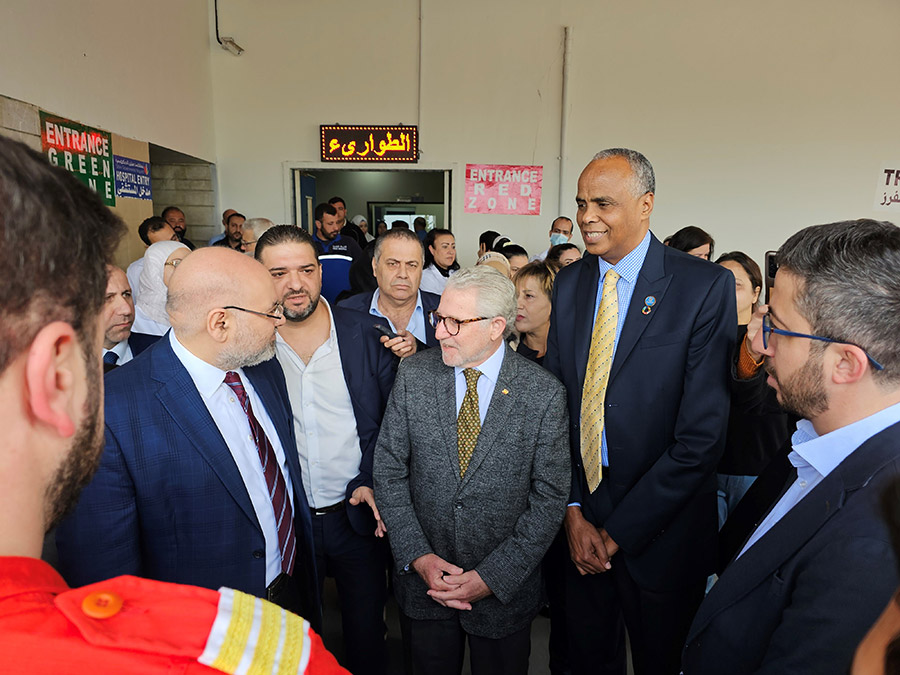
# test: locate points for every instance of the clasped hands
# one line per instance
(448, 584)
(591, 548)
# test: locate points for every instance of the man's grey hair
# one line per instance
(849, 286)
(257, 226)
(496, 293)
(397, 233)
(644, 178)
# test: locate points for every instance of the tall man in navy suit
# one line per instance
(817, 571)
(120, 344)
(199, 482)
(339, 378)
(648, 421)
(398, 301)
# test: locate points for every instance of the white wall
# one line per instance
(759, 119)
(138, 69)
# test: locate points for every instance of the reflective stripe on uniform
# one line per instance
(251, 635)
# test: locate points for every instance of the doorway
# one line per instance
(375, 194)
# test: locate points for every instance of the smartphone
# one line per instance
(384, 330)
(770, 270)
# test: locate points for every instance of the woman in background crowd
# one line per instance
(534, 287)
(562, 254)
(490, 241)
(753, 437)
(160, 260)
(517, 256)
(363, 225)
(380, 228)
(440, 260)
(693, 241)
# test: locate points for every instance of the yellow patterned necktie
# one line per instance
(603, 339)
(468, 424)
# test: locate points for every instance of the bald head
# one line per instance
(212, 278)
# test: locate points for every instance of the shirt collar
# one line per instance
(825, 453)
(118, 349)
(490, 368)
(373, 306)
(628, 267)
(207, 377)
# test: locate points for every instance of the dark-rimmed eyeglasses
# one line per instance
(768, 328)
(452, 325)
(277, 313)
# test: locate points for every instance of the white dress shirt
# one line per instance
(324, 422)
(232, 422)
(123, 351)
(490, 371)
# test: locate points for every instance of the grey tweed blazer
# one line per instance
(500, 518)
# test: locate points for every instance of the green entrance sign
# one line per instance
(83, 151)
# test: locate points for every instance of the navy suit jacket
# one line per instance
(369, 371)
(430, 301)
(802, 597)
(140, 341)
(666, 409)
(168, 501)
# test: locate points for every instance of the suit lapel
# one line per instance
(181, 400)
(798, 526)
(586, 299)
(445, 401)
(498, 412)
(651, 281)
(352, 351)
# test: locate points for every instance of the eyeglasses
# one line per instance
(452, 325)
(768, 328)
(277, 315)
(173, 263)
(247, 243)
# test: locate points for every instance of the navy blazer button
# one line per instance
(259, 553)
(459, 505)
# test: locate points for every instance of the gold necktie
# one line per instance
(468, 424)
(603, 339)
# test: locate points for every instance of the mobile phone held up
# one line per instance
(384, 330)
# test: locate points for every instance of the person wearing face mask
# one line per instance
(560, 233)
(161, 259)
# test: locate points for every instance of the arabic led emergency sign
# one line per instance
(344, 143)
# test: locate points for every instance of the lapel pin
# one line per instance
(650, 301)
(646, 310)
(505, 391)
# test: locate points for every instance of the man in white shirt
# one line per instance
(120, 345)
(816, 572)
(339, 378)
(199, 482)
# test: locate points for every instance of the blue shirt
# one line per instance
(490, 371)
(817, 456)
(416, 324)
(628, 269)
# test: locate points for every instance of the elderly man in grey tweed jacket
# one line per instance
(471, 477)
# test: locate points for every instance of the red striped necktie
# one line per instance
(281, 505)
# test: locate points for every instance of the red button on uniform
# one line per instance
(101, 604)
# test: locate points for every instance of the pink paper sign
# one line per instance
(504, 189)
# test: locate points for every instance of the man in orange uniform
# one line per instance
(56, 238)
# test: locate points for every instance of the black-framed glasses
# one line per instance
(768, 328)
(452, 325)
(277, 313)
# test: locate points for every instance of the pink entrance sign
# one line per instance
(504, 189)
